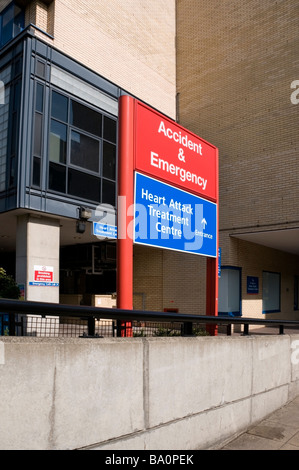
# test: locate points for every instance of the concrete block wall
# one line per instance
(141, 393)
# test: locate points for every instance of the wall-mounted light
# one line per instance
(80, 226)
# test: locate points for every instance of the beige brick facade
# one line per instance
(130, 43)
(165, 279)
(235, 65)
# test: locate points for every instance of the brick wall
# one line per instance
(235, 66)
(169, 279)
(130, 43)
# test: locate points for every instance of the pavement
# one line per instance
(279, 431)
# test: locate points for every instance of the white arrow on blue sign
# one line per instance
(170, 218)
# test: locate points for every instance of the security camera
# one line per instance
(84, 213)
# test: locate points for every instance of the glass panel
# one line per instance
(12, 171)
(229, 291)
(58, 141)
(271, 292)
(14, 137)
(108, 196)
(59, 106)
(84, 186)
(11, 23)
(109, 129)
(39, 105)
(7, 24)
(36, 172)
(109, 160)
(86, 119)
(38, 134)
(85, 151)
(18, 21)
(40, 69)
(57, 175)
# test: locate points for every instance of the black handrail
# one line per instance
(97, 313)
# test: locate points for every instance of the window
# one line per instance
(12, 21)
(271, 292)
(38, 135)
(296, 293)
(82, 151)
(85, 151)
(10, 98)
(229, 302)
(58, 142)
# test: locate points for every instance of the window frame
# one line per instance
(69, 165)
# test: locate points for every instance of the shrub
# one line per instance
(8, 287)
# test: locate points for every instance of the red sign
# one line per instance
(43, 273)
(173, 154)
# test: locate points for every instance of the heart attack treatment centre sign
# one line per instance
(176, 186)
(170, 218)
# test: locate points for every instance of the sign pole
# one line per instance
(125, 213)
(212, 276)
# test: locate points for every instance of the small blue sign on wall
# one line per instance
(252, 285)
(104, 230)
(168, 217)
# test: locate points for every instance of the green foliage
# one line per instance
(8, 288)
(200, 332)
(140, 333)
(166, 332)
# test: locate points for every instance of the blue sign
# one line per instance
(104, 230)
(252, 285)
(44, 284)
(167, 217)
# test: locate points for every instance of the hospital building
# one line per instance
(225, 71)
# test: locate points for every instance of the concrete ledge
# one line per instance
(141, 393)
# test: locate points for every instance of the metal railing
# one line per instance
(24, 318)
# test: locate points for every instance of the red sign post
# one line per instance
(155, 145)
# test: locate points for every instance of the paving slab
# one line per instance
(279, 431)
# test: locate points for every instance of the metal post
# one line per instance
(187, 328)
(91, 326)
(246, 329)
(212, 270)
(125, 214)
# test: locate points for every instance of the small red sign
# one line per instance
(173, 154)
(43, 274)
